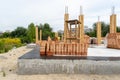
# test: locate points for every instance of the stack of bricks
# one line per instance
(113, 40)
(68, 49)
(87, 39)
(43, 46)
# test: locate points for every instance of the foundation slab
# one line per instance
(32, 63)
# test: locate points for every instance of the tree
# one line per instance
(118, 29)
(94, 32)
(46, 31)
(5, 35)
(91, 34)
(31, 33)
(104, 29)
(40, 28)
(19, 32)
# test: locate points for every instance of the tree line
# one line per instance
(105, 28)
(27, 35)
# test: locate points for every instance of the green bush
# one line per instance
(7, 43)
(2, 45)
(8, 47)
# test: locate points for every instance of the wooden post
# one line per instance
(36, 34)
(98, 32)
(40, 35)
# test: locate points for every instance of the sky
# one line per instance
(14, 13)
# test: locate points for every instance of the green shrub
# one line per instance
(2, 45)
(8, 47)
(7, 43)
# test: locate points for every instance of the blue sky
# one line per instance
(15, 13)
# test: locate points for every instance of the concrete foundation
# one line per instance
(32, 63)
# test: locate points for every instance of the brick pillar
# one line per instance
(81, 19)
(66, 17)
(113, 23)
(36, 34)
(98, 33)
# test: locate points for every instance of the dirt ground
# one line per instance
(8, 70)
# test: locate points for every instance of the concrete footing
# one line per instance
(32, 63)
(39, 66)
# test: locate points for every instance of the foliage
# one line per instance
(24, 40)
(10, 41)
(7, 43)
(104, 30)
(91, 34)
(19, 32)
(31, 33)
(28, 35)
(2, 45)
(118, 29)
(40, 28)
(21, 35)
(5, 35)
(46, 31)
